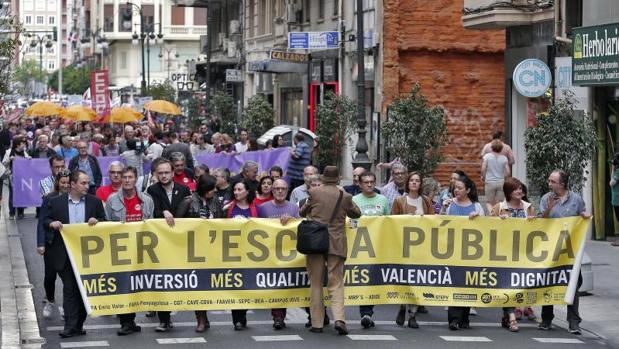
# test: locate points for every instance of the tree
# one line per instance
(10, 27)
(561, 139)
(415, 132)
(335, 124)
(75, 81)
(222, 107)
(258, 116)
(164, 91)
(26, 75)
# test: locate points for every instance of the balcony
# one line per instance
(184, 30)
(493, 14)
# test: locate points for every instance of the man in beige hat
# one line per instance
(319, 207)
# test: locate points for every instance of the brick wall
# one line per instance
(457, 68)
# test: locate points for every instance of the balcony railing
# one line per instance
(493, 14)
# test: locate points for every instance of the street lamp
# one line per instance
(40, 40)
(361, 158)
(98, 41)
(168, 52)
(147, 33)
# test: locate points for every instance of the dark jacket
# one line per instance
(57, 209)
(94, 166)
(160, 198)
(45, 236)
(190, 207)
(34, 153)
(180, 148)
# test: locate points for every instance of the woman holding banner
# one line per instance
(464, 203)
(241, 207)
(18, 149)
(202, 204)
(516, 207)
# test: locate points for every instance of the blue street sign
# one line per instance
(313, 40)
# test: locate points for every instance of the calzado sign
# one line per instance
(596, 55)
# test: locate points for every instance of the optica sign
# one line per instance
(532, 77)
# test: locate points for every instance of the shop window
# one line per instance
(292, 107)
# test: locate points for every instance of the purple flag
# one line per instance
(265, 159)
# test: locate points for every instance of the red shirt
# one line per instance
(104, 192)
(134, 209)
(258, 201)
(184, 180)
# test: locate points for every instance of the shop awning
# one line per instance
(275, 66)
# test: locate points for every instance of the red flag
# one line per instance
(99, 93)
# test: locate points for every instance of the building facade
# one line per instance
(460, 70)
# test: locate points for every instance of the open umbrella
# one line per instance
(80, 113)
(123, 115)
(163, 107)
(44, 109)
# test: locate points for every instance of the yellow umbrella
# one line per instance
(123, 115)
(163, 107)
(80, 113)
(44, 109)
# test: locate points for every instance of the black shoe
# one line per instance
(308, 324)
(238, 326)
(454, 326)
(71, 333)
(315, 329)
(465, 325)
(164, 327)
(399, 319)
(367, 322)
(422, 310)
(544, 326)
(278, 323)
(20, 216)
(412, 323)
(574, 329)
(128, 328)
(244, 322)
(340, 327)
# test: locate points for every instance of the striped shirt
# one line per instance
(46, 185)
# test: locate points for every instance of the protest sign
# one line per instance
(253, 263)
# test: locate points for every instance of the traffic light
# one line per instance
(55, 35)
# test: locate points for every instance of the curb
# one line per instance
(20, 328)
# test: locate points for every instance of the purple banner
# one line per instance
(265, 159)
(27, 173)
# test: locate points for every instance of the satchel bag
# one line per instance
(313, 236)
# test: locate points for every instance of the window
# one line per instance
(108, 14)
(123, 60)
(199, 16)
(148, 11)
(28, 5)
(250, 18)
(40, 19)
(306, 11)
(263, 17)
(51, 20)
(336, 7)
(178, 15)
(28, 19)
(321, 9)
(51, 65)
(124, 26)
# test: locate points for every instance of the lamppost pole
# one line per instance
(138, 9)
(361, 158)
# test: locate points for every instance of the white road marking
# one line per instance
(86, 344)
(181, 340)
(282, 338)
(559, 340)
(372, 337)
(465, 339)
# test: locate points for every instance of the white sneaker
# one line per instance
(61, 311)
(48, 308)
(473, 311)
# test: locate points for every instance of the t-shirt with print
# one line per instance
(134, 209)
(272, 210)
(377, 205)
(184, 180)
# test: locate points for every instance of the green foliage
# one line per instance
(74, 80)
(415, 132)
(193, 117)
(8, 45)
(561, 139)
(222, 107)
(164, 91)
(335, 124)
(25, 74)
(258, 117)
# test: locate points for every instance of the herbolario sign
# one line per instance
(596, 55)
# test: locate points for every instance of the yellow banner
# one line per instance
(244, 264)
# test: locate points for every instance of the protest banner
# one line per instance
(253, 263)
(27, 173)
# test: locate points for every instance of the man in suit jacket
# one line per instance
(75, 207)
(167, 196)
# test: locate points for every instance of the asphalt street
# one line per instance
(486, 331)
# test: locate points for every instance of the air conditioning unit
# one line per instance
(232, 49)
(235, 25)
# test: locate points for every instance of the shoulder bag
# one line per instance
(313, 236)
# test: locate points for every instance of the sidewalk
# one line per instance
(600, 310)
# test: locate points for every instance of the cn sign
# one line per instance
(99, 90)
